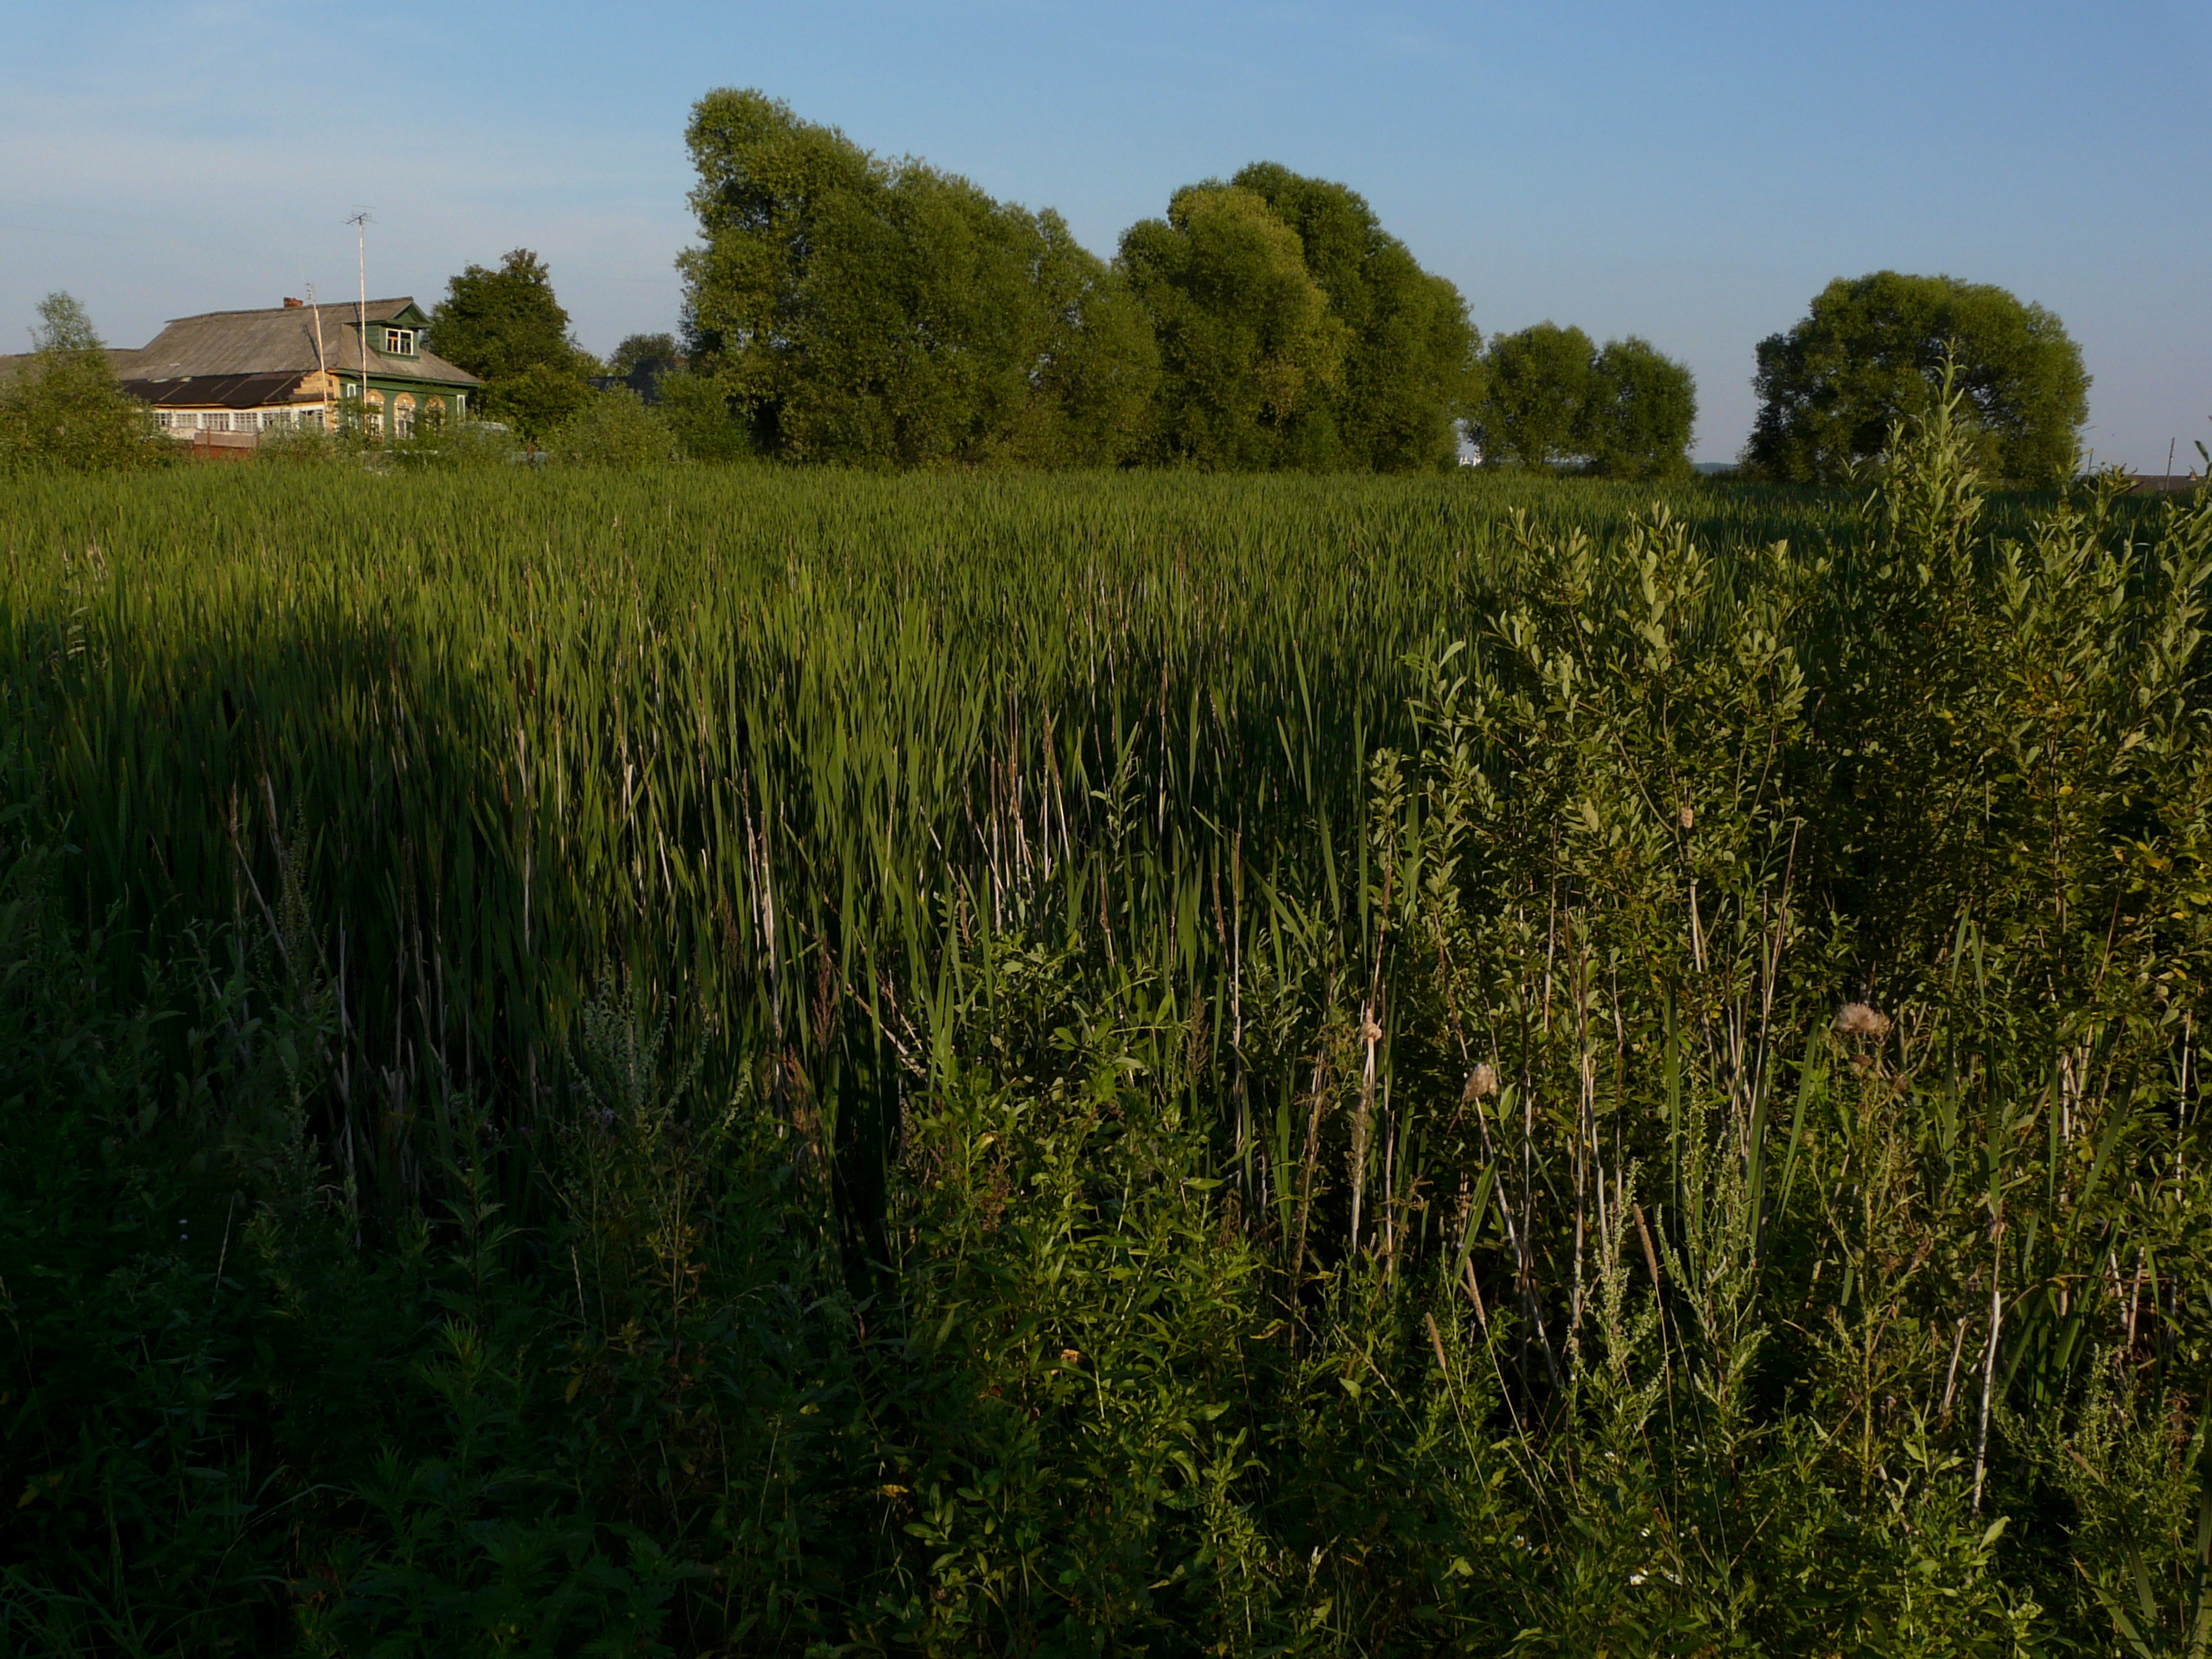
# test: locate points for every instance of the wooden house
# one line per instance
(223, 379)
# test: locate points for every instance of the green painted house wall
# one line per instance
(388, 377)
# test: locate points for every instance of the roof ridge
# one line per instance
(278, 311)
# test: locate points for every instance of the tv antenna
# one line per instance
(358, 219)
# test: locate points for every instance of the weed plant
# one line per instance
(789, 1062)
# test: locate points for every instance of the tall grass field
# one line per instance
(732, 1061)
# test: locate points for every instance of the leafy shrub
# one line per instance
(614, 428)
(459, 444)
(63, 411)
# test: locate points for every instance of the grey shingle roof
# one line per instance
(280, 341)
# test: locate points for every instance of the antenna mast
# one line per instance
(359, 223)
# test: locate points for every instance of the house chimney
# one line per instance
(291, 304)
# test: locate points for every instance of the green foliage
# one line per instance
(654, 351)
(1536, 385)
(538, 399)
(709, 424)
(888, 315)
(615, 429)
(1874, 351)
(303, 445)
(1045, 1065)
(62, 410)
(506, 327)
(884, 314)
(1550, 398)
(1251, 355)
(1410, 368)
(1641, 410)
(459, 444)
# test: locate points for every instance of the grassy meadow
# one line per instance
(779, 1061)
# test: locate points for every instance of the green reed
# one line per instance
(726, 732)
(1305, 1009)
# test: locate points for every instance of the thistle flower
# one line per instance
(1481, 1082)
(1858, 1020)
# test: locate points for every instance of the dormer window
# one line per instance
(399, 341)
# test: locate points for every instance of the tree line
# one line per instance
(861, 310)
(839, 307)
(843, 307)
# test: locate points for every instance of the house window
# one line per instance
(402, 415)
(215, 421)
(399, 341)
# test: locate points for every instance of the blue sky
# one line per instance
(1691, 172)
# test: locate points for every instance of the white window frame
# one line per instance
(399, 343)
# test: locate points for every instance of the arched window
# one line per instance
(402, 415)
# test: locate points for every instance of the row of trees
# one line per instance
(845, 311)
(842, 308)
(855, 309)
(1270, 322)
(1550, 396)
(861, 310)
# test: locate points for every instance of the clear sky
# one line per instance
(1692, 172)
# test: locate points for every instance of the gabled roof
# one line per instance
(282, 340)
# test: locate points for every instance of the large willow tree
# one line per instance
(882, 312)
(1295, 331)
(1874, 351)
(1410, 370)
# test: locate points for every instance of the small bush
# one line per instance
(460, 445)
(299, 445)
(64, 412)
(613, 429)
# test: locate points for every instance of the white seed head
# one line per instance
(1858, 1020)
(1481, 1082)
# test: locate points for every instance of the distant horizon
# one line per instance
(1693, 178)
